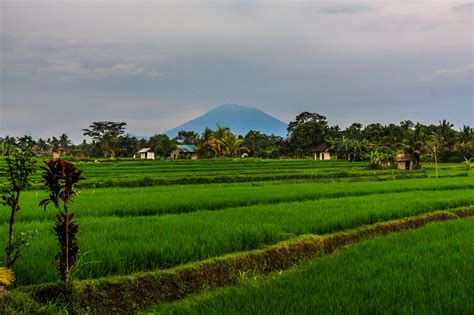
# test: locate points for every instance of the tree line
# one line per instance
(374, 142)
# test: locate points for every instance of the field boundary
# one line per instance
(136, 292)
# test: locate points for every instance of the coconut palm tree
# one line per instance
(232, 145)
(415, 144)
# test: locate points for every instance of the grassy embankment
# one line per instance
(122, 245)
(425, 271)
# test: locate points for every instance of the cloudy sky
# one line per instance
(157, 64)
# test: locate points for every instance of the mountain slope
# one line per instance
(240, 119)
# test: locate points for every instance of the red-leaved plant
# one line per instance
(60, 178)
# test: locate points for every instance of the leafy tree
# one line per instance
(465, 143)
(42, 147)
(354, 131)
(107, 134)
(64, 142)
(53, 143)
(128, 145)
(20, 166)
(60, 178)
(414, 144)
(187, 137)
(307, 131)
(258, 143)
(162, 144)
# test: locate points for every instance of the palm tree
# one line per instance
(346, 144)
(407, 127)
(233, 145)
(433, 145)
(446, 134)
(334, 144)
(414, 144)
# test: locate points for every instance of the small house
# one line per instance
(185, 151)
(321, 152)
(146, 153)
(404, 162)
(57, 153)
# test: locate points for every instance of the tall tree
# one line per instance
(64, 142)
(415, 144)
(107, 134)
(307, 130)
(162, 144)
(187, 137)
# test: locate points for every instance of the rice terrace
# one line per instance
(266, 227)
(236, 157)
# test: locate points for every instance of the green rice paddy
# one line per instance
(195, 210)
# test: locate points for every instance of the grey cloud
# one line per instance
(344, 8)
(73, 70)
(468, 6)
(446, 73)
(161, 63)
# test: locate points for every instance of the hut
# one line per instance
(185, 151)
(321, 152)
(404, 162)
(58, 152)
(146, 153)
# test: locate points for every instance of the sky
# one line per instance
(158, 64)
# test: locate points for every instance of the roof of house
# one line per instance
(145, 150)
(321, 148)
(403, 157)
(187, 148)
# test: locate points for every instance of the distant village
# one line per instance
(405, 145)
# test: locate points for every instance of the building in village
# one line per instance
(404, 162)
(185, 151)
(321, 152)
(146, 153)
(58, 153)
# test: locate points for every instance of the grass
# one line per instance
(123, 245)
(147, 201)
(425, 271)
(238, 205)
(133, 173)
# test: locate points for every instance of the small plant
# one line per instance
(60, 178)
(467, 163)
(20, 166)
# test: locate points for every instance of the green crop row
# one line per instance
(149, 173)
(114, 245)
(425, 271)
(187, 198)
(138, 291)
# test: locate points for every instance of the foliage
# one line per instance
(132, 293)
(7, 277)
(422, 271)
(221, 143)
(307, 131)
(116, 248)
(20, 166)
(162, 144)
(107, 134)
(60, 178)
(379, 160)
(187, 137)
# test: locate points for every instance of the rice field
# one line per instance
(128, 228)
(426, 271)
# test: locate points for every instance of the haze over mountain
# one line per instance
(240, 120)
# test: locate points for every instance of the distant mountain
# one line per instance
(240, 119)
